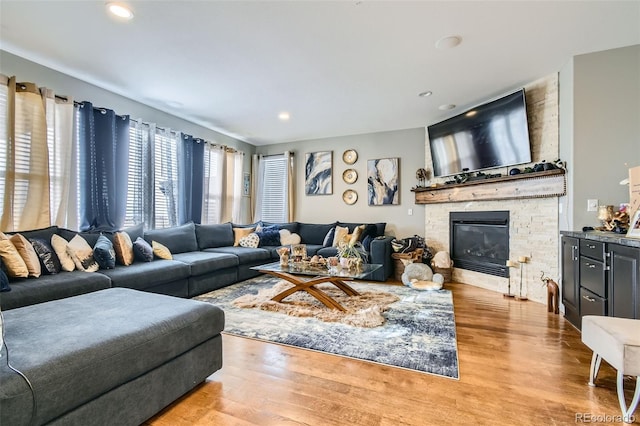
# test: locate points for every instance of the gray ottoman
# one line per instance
(115, 356)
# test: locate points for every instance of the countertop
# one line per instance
(603, 236)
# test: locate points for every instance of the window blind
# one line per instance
(274, 189)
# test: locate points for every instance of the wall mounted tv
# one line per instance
(494, 134)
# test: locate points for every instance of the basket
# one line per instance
(415, 255)
(445, 272)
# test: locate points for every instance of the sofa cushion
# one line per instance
(287, 238)
(269, 237)
(202, 262)
(179, 239)
(252, 240)
(51, 287)
(111, 337)
(240, 233)
(13, 262)
(43, 233)
(4, 282)
(311, 233)
(379, 228)
(59, 245)
(160, 251)
(143, 275)
(245, 255)
(28, 254)
(49, 262)
(123, 246)
(104, 253)
(142, 250)
(289, 226)
(82, 254)
(218, 235)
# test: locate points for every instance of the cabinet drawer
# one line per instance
(592, 304)
(593, 276)
(592, 249)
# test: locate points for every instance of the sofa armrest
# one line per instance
(380, 252)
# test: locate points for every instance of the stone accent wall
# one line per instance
(534, 223)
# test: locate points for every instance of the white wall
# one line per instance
(407, 145)
(63, 84)
(606, 128)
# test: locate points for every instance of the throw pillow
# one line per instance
(328, 239)
(28, 254)
(269, 237)
(252, 240)
(4, 282)
(82, 254)
(59, 245)
(357, 233)
(288, 238)
(340, 234)
(123, 247)
(239, 233)
(104, 253)
(49, 262)
(142, 250)
(161, 251)
(16, 268)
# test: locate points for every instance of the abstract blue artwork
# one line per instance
(382, 182)
(317, 173)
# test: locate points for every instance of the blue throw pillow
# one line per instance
(4, 282)
(142, 250)
(104, 253)
(49, 262)
(366, 243)
(269, 238)
(328, 239)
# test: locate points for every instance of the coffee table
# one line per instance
(296, 274)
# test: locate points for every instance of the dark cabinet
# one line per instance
(624, 270)
(599, 278)
(570, 280)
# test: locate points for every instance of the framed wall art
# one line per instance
(318, 168)
(382, 182)
(246, 185)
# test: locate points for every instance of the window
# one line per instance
(212, 191)
(166, 179)
(273, 189)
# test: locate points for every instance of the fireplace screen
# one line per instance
(479, 241)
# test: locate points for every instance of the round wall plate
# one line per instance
(350, 176)
(350, 196)
(350, 156)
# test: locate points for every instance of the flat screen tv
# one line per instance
(494, 134)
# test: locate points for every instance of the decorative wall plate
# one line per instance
(350, 156)
(350, 176)
(350, 196)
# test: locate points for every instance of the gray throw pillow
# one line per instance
(142, 250)
(104, 253)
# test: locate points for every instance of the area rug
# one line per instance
(419, 332)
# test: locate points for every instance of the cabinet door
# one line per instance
(624, 272)
(570, 283)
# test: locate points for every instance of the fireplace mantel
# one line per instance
(529, 185)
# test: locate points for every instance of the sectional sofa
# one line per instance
(101, 348)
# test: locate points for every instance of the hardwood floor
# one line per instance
(518, 365)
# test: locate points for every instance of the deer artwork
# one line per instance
(553, 304)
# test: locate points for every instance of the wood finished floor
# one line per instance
(519, 365)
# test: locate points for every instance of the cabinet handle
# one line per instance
(591, 246)
(590, 299)
(590, 265)
(574, 252)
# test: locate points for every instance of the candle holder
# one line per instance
(521, 260)
(510, 264)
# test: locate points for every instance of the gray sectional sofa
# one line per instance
(102, 348)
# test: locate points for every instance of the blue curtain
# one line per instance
(190, 179)
(103, 149)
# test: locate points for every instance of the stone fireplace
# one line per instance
(479, 241)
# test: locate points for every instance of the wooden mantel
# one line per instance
(549, 183)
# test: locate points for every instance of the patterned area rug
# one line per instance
(419, 332)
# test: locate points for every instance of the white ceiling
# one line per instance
(339, 67)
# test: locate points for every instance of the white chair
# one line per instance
(617, 341)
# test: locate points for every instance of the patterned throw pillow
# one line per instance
(28, 254)
(251, 240)
(82, 254)
(104, 253)
(49, 262)
(16, 268)
(59, 245)
(142, 250)
(268, 238)
(340, 235)
(239, 233)
(161, 251)
(123, 247)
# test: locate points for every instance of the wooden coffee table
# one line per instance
(297, 275)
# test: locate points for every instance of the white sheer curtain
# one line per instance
(214, 156)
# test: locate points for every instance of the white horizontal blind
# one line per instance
(212, 190)
(4, 143)
(273, 207)
(134, 209)
(166, 179)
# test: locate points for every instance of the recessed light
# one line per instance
(471, 113)
(446, 107)
(448, 42)
(425, 94)
(120, 10)
(284, 116)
